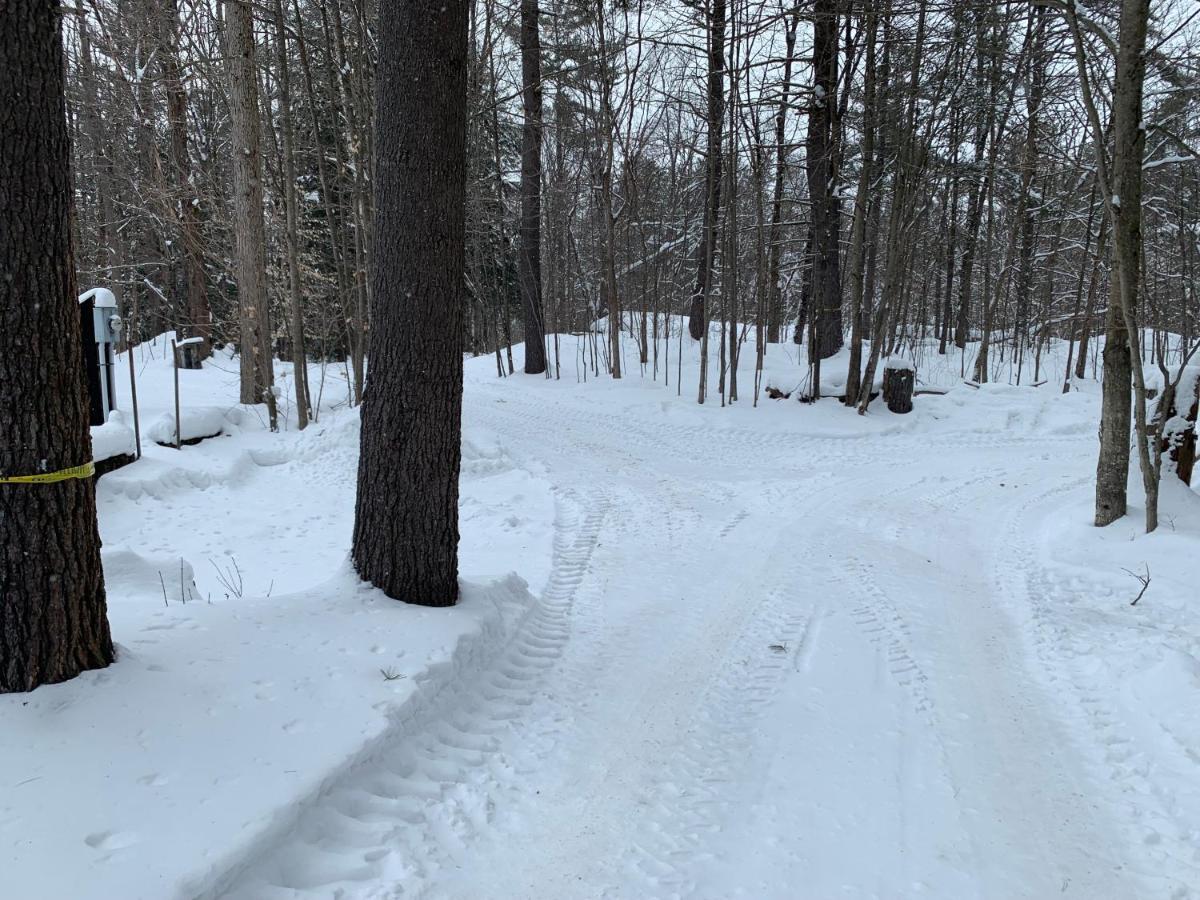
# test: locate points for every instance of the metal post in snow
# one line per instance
(137, 429)
(175, 360)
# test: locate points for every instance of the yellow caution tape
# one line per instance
(87, 470)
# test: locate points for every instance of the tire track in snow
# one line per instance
(772, 638)
(689, 807)
(431, 784)
(881, 621)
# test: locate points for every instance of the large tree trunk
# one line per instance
(53, 619)
(249, 228)
(698, 312)
(529, 262)
(826, 311)
(406, 515)
(1123, 199)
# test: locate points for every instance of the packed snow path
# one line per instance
(764, 665)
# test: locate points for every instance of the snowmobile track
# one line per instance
(423, 791)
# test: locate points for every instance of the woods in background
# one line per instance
(902, 176)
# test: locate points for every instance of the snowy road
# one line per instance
(765, 664)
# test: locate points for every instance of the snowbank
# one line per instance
(252, 664)
(196, 422)
(113, 438)
(1129, 674)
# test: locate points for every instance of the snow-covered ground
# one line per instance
(773, 652)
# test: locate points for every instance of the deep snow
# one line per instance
(712, 652)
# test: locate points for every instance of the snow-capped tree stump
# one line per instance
(899, 380)
(1179, 431)
(188, 353)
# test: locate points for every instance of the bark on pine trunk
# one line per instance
(249, 228)
(826, 310)
(529, 262)
(53, 619)
(406, 515)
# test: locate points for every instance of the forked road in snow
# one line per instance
(764, 666)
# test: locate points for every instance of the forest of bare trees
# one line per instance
(912, 176)
(498, 303)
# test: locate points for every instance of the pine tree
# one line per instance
(53, 618)
(529, 264)
(406, 516)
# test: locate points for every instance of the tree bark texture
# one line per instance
(898, 385)
(53, 618)
(406, 515)
(529, 262)
(862, 202)
(826, 294)
(698, 312)
(1125, 209)
(249, 227)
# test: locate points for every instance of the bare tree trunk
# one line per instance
(1078, 328)
(295, 296)
(698, 312)
(198, 314)
(988, 55)
(406, 514)
(529, 262)
(107, 239)
(1121, 186)
(775, 239)
(1093, 291)
(862, 203)
(826, 299)
(53, 616)
(258, 380)
(1025, 215)
(608, 264)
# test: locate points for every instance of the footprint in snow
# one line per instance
(111, 840)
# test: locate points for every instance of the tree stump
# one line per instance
(899, 380)
(188, 353)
